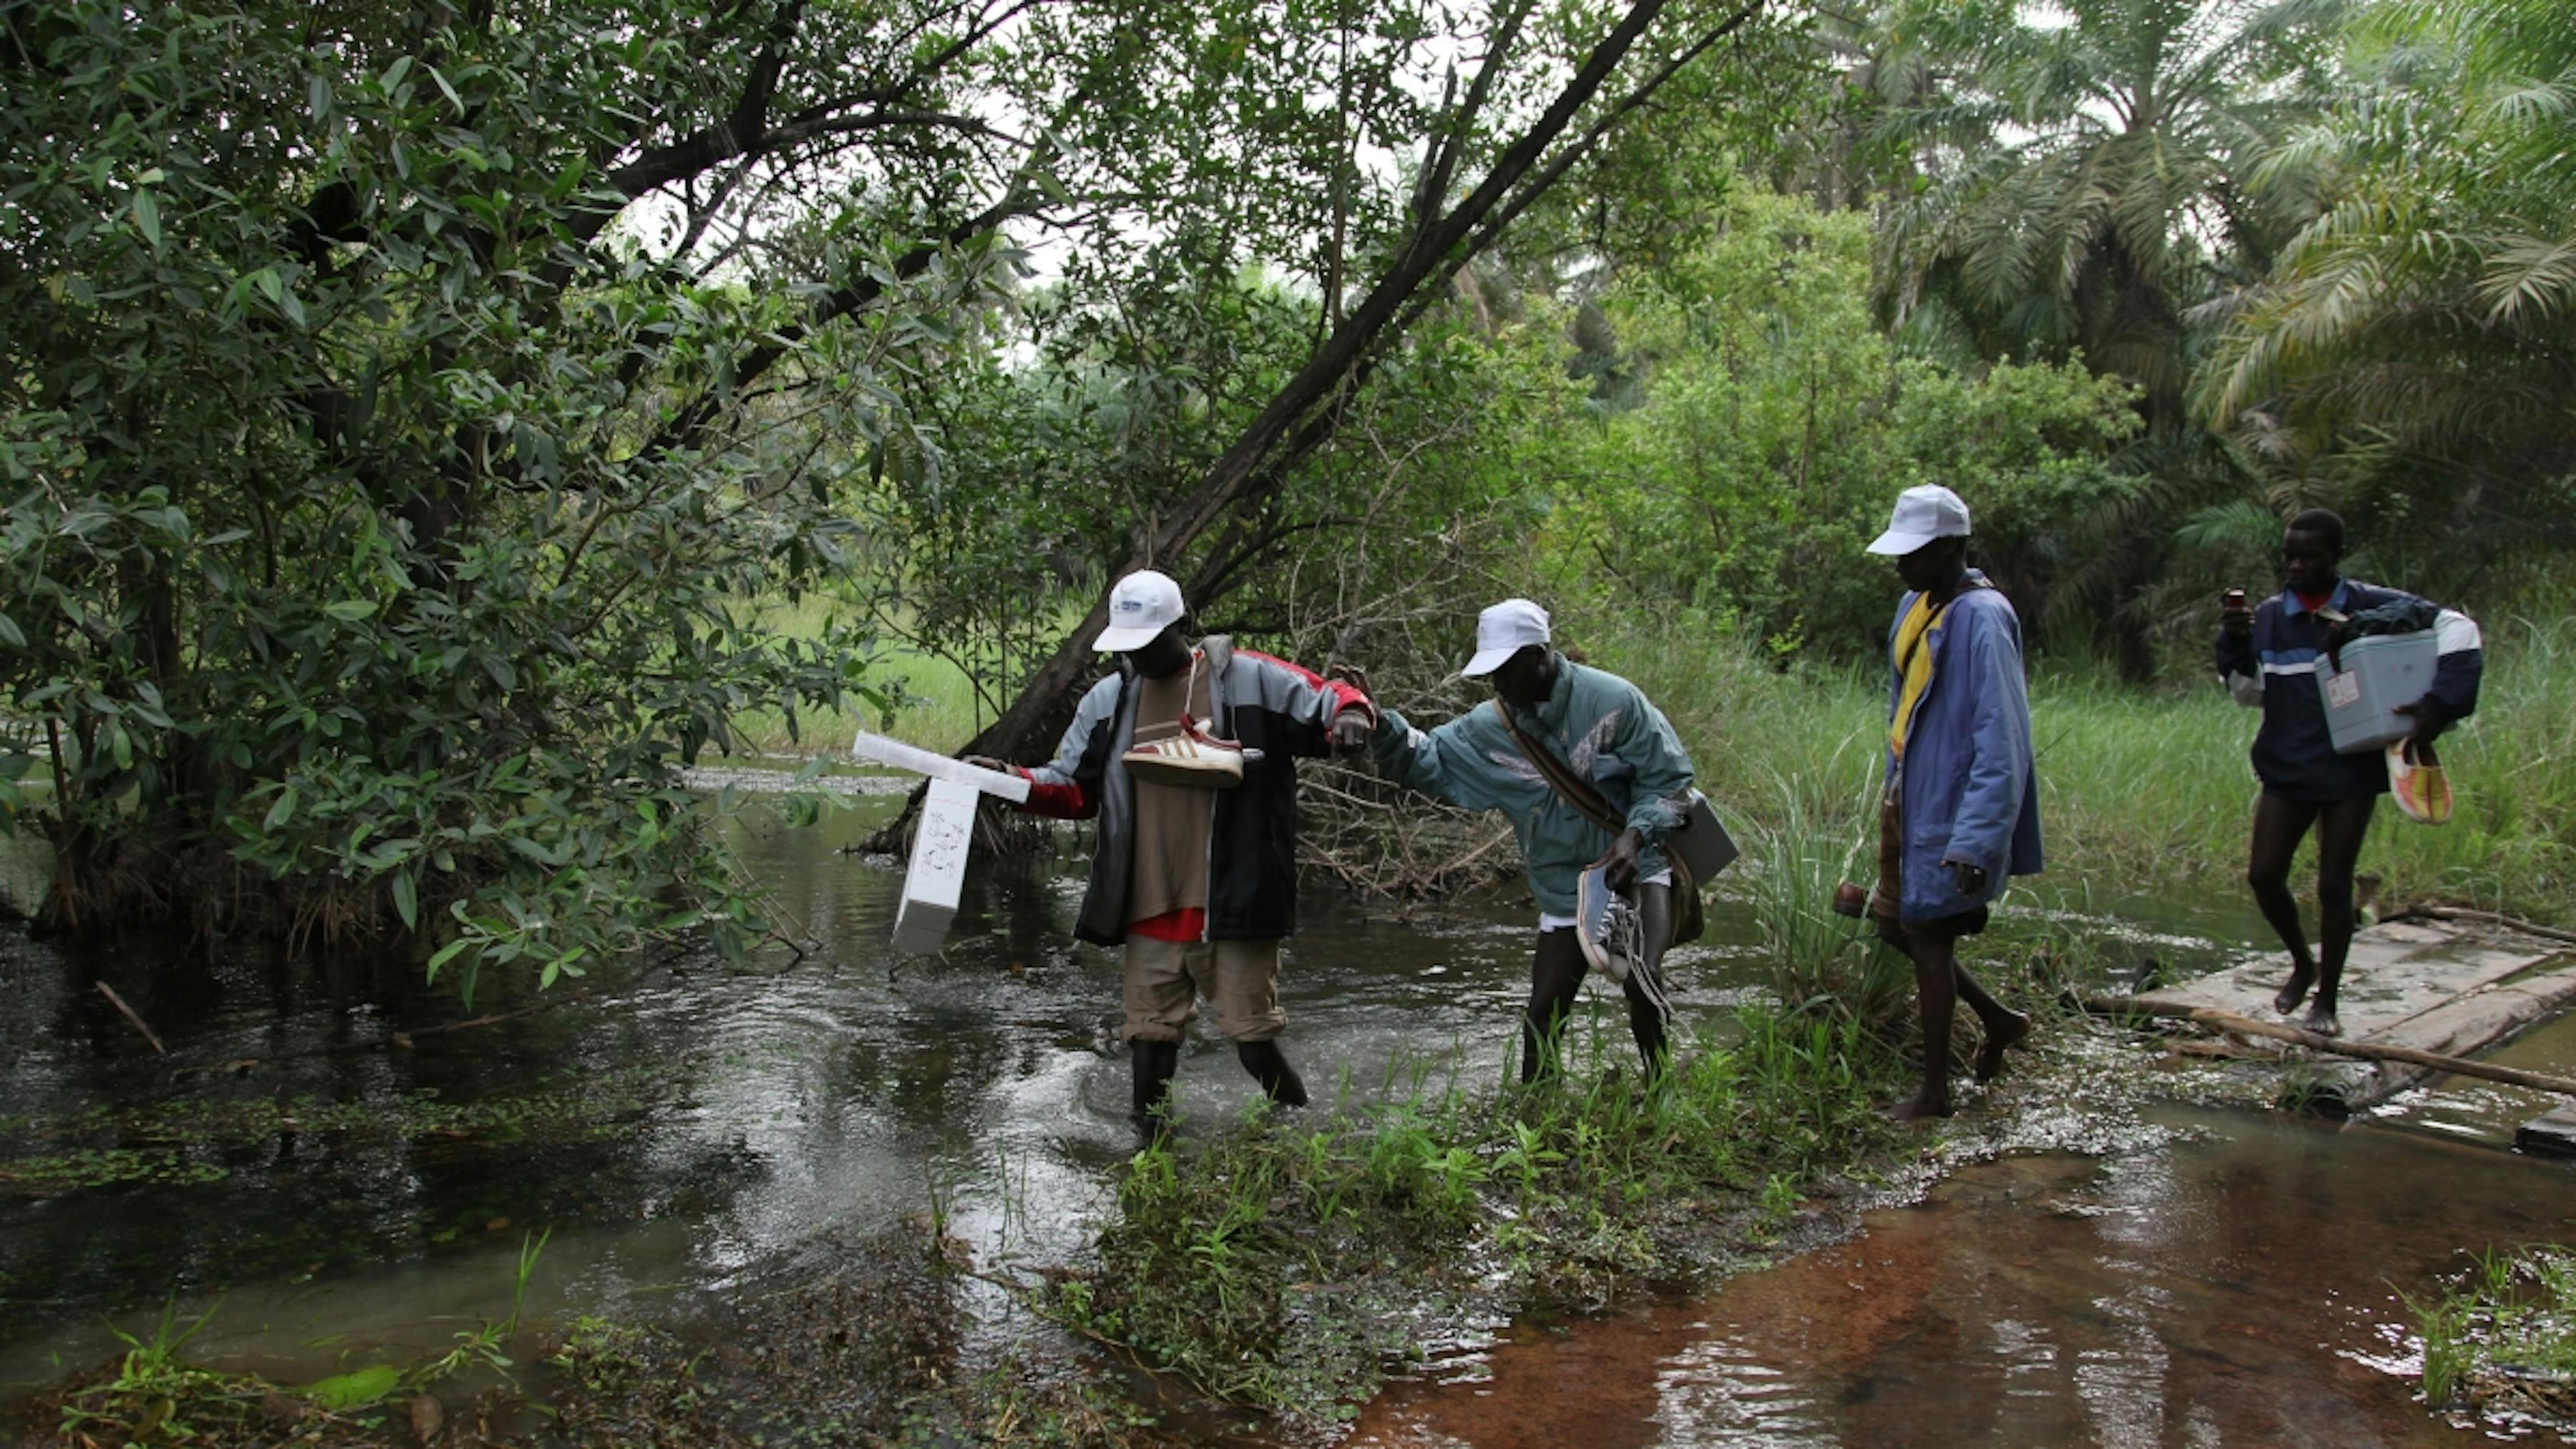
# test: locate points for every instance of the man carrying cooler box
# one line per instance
(2270, 657)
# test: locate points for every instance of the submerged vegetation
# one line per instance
(196, 1138)
(2503, 1342)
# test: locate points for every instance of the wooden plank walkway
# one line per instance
(2451, 988)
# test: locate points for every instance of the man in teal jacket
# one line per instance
(1960, 813)
(1605, 731)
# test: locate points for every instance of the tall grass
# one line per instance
(932, 702)
(2141, 790)
(1815, 837)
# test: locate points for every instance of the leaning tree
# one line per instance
(406, 402)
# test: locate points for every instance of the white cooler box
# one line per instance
(2380, 672)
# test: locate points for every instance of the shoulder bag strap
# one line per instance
(1587, 799)
(1576, 791)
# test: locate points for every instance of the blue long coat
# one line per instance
(1971, 784)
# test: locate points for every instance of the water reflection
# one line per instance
(688, 1123)
(2242, 1288)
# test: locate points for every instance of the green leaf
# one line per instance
(447, 953)
(10, 633)
(407, 901)
(350, 610)
(147, 216)
(453, 98)
(343, 1392)
(280, 811)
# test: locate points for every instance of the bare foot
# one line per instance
(2302, 975)
(1917, 1107)
(1990, 1057)
(2321, 1020)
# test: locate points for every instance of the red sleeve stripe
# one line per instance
(1347, 695)
(1061, 802)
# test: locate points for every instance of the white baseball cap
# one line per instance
(1142, 605)
(1503, 631)
(1922, 515)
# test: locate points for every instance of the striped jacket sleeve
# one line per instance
(1061, 787)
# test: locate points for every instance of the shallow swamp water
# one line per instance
(344, 1181)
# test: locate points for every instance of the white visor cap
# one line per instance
(1922, 515)
(1142, 605)
(1503, 631)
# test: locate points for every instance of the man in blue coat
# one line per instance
(1960, 812)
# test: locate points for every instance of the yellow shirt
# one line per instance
(1914, 658)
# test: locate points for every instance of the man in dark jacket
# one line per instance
(2269, 657)
(1199, 882)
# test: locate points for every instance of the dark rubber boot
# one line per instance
(1156, 1062)
(1269, 1066)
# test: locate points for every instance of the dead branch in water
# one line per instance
(119, 1003)
(2491, 918)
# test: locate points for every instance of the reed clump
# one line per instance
(1282, 1265)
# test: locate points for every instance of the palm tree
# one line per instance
(2079, 165)
(2417, 338)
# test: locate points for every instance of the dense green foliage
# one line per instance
(412, 412)
(1776, 421)
(419, 420)
(2415, 347)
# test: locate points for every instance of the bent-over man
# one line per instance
(1199, 882)
(1604, 732)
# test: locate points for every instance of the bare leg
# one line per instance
(1936, 984)
(2340, 828)
(2278, 824)
(1556, 979)
(2004, 1026)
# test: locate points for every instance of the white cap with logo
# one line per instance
(1503, 631)
(1142, 605)
(1922, 515)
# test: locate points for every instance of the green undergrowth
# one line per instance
(1288, 1263)
(931, 701)
(862, 1349)
(2503, 1342)
(2142, 789)
(153, 1395)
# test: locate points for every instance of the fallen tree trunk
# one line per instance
(2229, 1021)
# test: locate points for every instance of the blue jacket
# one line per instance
(1970, 782)
(2275, 670)
(1601, 726)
